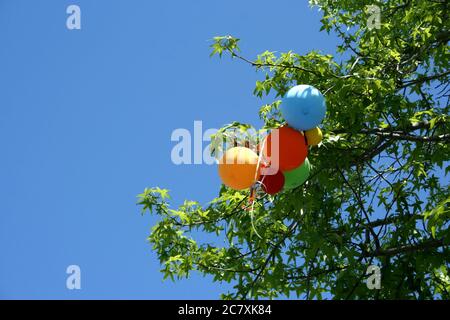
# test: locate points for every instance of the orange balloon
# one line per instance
(237, 168)
(291, 148)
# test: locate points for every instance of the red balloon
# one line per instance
(272, 184)
(291, 148)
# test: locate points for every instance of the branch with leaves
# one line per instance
(378, 192)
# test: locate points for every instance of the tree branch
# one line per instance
(409, 137)
(429, 244)
(423, 79)
(399, 129)
(272, 65)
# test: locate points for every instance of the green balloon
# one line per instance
(297, 176)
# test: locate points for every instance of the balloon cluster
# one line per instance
(282, 163)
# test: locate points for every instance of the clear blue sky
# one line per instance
(85, 123)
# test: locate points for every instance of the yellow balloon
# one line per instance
(237, 168)
(314, 136)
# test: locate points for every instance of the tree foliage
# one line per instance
(378, 193)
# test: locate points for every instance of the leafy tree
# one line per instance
(378, 193)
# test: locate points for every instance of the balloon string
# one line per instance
(251, 199)
(260, 155)
(251, 211)
(252, 189)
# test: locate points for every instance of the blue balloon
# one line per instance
(303, 107)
